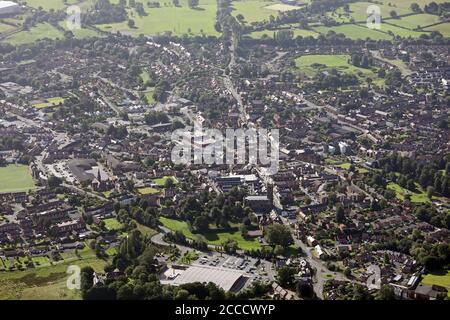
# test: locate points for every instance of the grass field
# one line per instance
(419, 196)
(39, 32)
(355, 32)
(312, 64)
(176, 20)
(58, 4)
(212, 236)
(399, 32)
(347, 165)
(443, 28)
(15, 178)
(147, 190)
(47, 282)
(51, 102)
(438, 278)
(112, 224)
(5, 27)
(297, 32)
(254, 10)
(162, 181)
(412, 22)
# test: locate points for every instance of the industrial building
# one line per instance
(8, 7)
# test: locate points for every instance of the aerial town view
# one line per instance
(251, 150)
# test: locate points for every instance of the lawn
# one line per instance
(147, 190)
(112, 224)
(15, 178)
(176, 20)
(51, 102)
(313, 64)
(38, 32)
(213, 237)
(162, 181)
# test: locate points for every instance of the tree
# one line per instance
(386, 293)
(230, 246)
(393, 14)
(277, 234)
(286, 276)
(54, 182)
(201, 224)
(305, 290)
(131, 23)
(415, 7)
(340, 214)
(430, 192)
(193, 3)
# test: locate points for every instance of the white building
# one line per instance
(8, 7)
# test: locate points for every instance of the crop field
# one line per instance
(15, 178)
(355, 32)
(40, 31)
(176, 20)
(312, 64)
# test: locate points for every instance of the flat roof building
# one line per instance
(8, 7)
(228, 279)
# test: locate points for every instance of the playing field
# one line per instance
(211, 237)
(312, 64)
(15, 178)
(176, 20)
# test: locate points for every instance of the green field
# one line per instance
(297, 33)
(347, 165)
(112, 224)
(443, 28)
(5, 27)
(38, 32)
(15, 178)
(58, 4)
(354, 32)
(162, 181)
(438, 278)
(253, 10)
(147, 190)
(211, 237)
(412, 22)
(175, 20)
(419, 196)
(47, 282)
(51, 102)
(312, 64)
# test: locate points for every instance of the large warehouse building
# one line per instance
(8, 7)
(227, 279)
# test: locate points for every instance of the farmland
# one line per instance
(175, 20)
(355, 32)
(14, 178)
